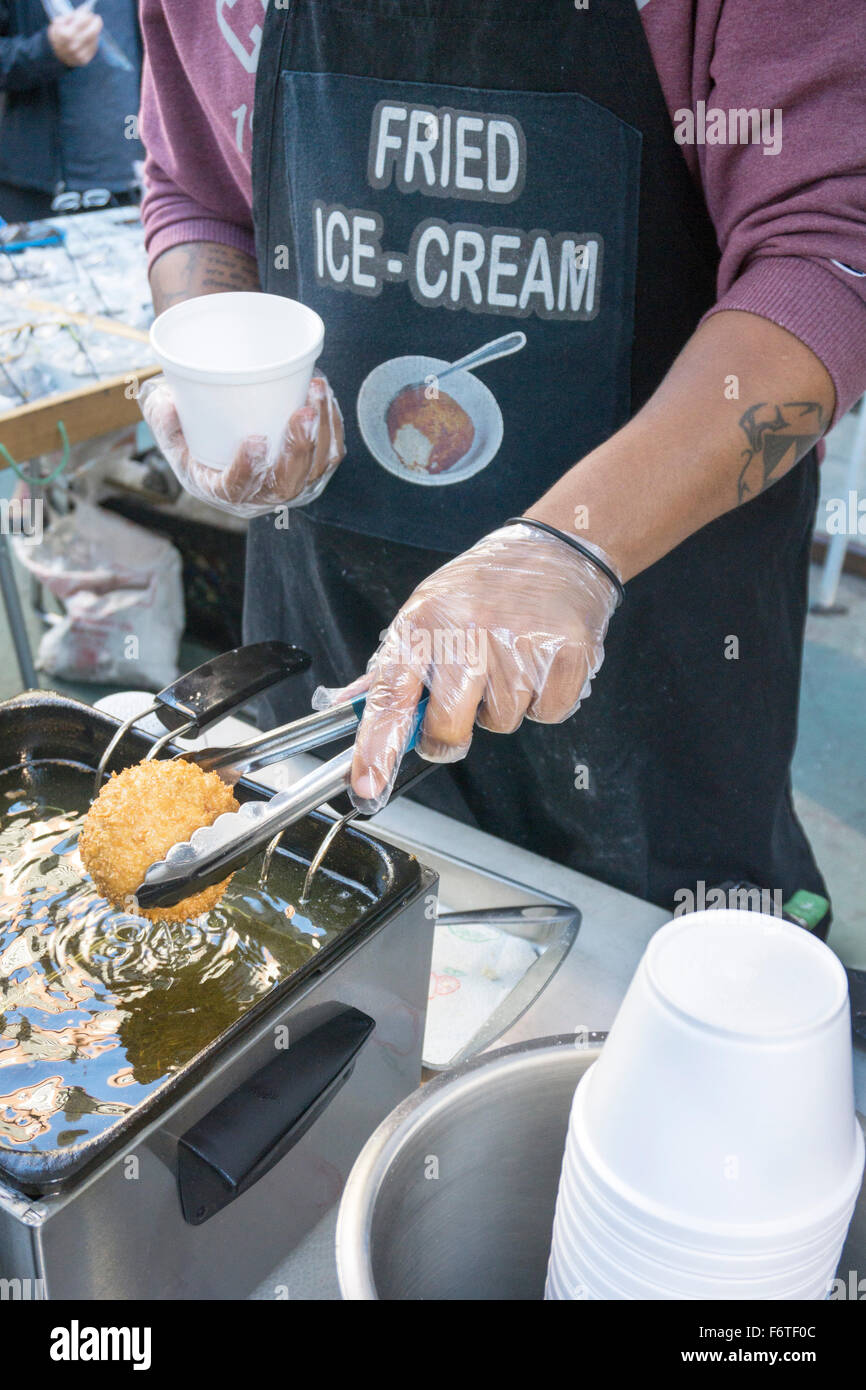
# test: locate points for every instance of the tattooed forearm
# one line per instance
(778, 436)
(200, 267)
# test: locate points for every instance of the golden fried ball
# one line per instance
(137, 816)
(428, 435)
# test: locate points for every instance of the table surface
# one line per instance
(75, 314)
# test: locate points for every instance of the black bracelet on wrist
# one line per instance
(575, 545)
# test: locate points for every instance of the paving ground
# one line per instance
(830, 766)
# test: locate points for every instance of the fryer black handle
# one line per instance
(220, 685)
(250, 1130)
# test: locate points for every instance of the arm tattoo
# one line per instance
(200, 267)
(775, 433)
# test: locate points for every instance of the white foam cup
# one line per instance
(721, 1109)
(562, 1279)
(628, 1242)
(583, 1250)
(238, 364)
(564, 1286)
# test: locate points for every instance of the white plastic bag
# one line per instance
(122, 593)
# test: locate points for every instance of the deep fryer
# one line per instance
(210, 1182)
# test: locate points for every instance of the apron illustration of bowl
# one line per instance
(390, 378)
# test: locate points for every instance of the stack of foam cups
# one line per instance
(714, 1149)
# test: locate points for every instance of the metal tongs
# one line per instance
(215, 851)
(192, 704)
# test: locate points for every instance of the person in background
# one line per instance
(69, 128)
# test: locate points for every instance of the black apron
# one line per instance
(431, 175)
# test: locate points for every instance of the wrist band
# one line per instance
(582, 549)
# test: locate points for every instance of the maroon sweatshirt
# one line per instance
(789, 207)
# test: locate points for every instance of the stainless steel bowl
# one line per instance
(453, 1196)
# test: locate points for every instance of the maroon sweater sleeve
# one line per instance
(193, 88)
(791, 225)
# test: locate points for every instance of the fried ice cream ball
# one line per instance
(136, 818)
(429, 436)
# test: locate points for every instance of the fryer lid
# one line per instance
(42, 725)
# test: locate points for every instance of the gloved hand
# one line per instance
(513, 627)
(258, 480)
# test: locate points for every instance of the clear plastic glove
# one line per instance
(513, 628)
(259, 479)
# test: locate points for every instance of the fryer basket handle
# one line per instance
(223, 1154)
(201, 697)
